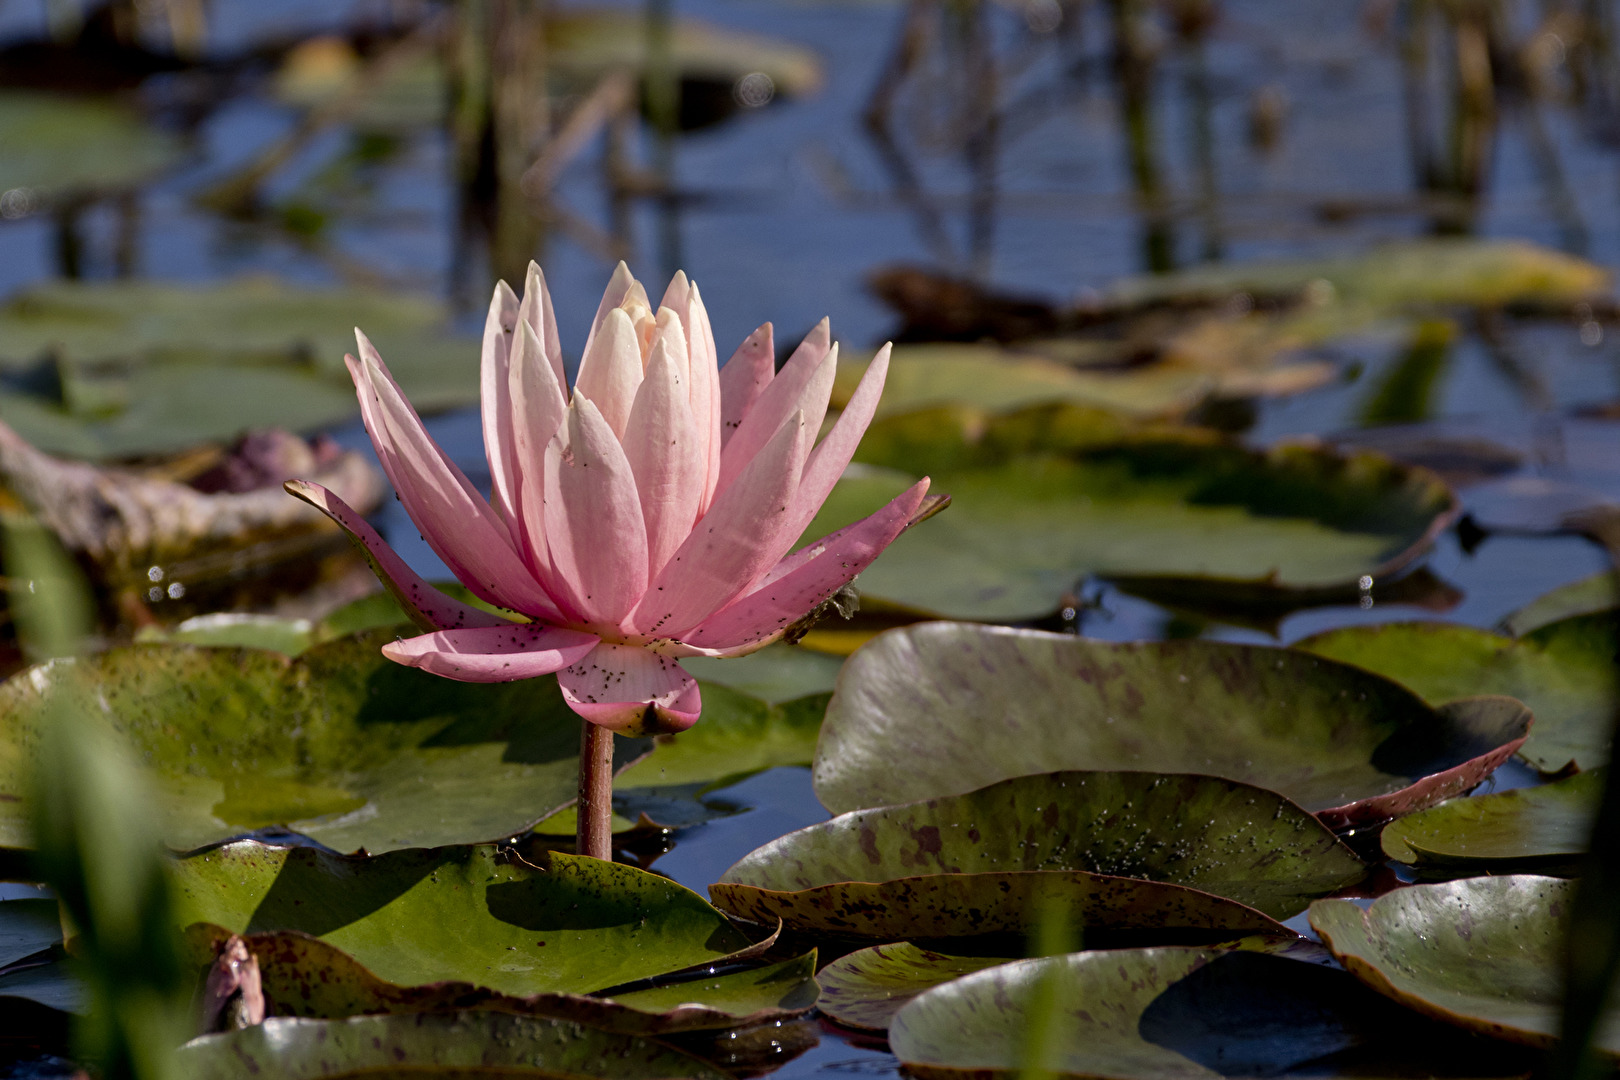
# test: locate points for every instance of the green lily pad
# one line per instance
(1564, 671)
(1234, 840)
(1486, 954)
(963, 706)
(1176, 1013)
(1047, 495)
(997, 379)
(112, 369)
(540, 923)
(443, 1044)
(78, 146)
(306, 976)
(339, 744)
(1599, 592)
(1424, 273)
(865, 988)
(27, 927)
(1539, 825)
(776, 674)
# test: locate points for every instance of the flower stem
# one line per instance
(595, 835)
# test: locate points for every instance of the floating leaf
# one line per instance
(541, 923)
(428, 1045)
(116, 369)
(1600, 592)
(1177, 1013)
(305, 976)
(865, 988)
(1045, 496)
(1547, 824)
(31, 961)
(1234, 840)
(1394, 277)
(964, 706)
(52, 983)
(62, 146)
(1564, 671)
(1486, 954)
(340, 743)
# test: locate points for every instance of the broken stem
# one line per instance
(595, 830)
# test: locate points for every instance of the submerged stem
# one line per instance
(595, 835)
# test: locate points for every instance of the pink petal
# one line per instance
(610, 373)
(677, 296)
(631, 690)
(493, 653)
(593, 518)
(818, 571)
(831, 457)
(780, 399)
(661, 444)
(734, 543)
(673, 332)
(493, 400)
(744, 378)
(537, 312)
(705, 390)
(538, 412)
(425, 606)
(621, 286)
(454, 519)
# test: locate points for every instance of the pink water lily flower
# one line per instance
(645, 517)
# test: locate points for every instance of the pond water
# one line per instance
(786, 209)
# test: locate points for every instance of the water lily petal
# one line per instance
(424, 605)
(780, 399)
(620, 287)
(705, 390)
(737, 541)
(539, 410)
(495, 404)
(744, 378)
(493, 653)
(597, 536)
(631, 690)
(831, 456)
(673, 332)
(661, 445)
(460, 527)
(610, 372)
(821, 569)
(536, 310)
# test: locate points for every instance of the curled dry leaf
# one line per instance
(122, 522)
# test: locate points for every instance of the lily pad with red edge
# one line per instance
(1178, 1013)
(455, 1044)
(1230, 839)
(1485, 954)
(339, 743)
(865, 988)
(515, 923)
(1047, 495)
(1564, 671)
(1543, 827)
(305, 976)
(966, 705)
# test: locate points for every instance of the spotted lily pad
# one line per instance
(1044, 496)
(1177, 1013)
(865, 988)
(113, 369)
(306, 976)
(339, 743)
(428, 1045)
(62, 146)
(1524, 827)
(964, 706)
(1234, 840)
(516, 924)
(1486, 954)
(1564, 671)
